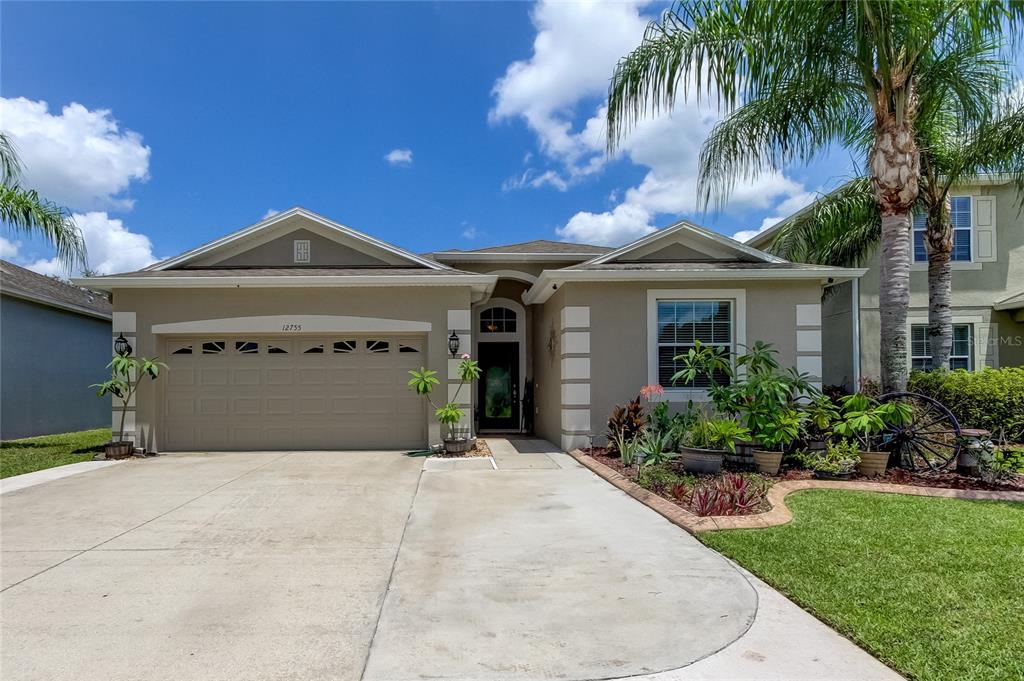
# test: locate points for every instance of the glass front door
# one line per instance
(498, 397)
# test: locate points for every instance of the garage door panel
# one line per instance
(264, 393)
(248, 376)
(213, 406)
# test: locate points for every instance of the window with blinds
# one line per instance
(680, 324)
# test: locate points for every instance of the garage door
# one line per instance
(296, 392)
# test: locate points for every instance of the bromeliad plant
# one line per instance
(125, 374)
(715, 434)
(424, 381)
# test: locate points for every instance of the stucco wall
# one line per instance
(163, 306)
(50, 358)
(322, 252)
(619, 330)
(547, 369)
(976, 286)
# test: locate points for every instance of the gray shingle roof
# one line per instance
(18, 281)
(539, 246)
(695, 266)
(286, 272)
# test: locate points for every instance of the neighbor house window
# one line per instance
(302, 250)
(961, 355)
(683, 322)
(960, 219)
(498, 320)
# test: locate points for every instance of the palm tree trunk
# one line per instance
(895, 167)
(939, 240)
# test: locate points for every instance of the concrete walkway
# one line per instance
(16, 482)
(360, 565)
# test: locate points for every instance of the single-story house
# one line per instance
(299, 332)
(56, 343)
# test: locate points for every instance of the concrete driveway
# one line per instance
(319, 565)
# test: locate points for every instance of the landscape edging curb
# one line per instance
(779, 514)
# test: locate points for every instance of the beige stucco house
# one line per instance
(299, 332)
(988, 291)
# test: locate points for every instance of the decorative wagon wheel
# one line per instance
(930, 441)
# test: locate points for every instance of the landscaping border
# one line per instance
(779, 513)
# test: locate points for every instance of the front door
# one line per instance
(498, 397)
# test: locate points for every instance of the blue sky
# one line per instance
(164, 125)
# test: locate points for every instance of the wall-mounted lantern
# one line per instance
(122, 346)
(453, 344)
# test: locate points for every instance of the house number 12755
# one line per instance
(291, 327)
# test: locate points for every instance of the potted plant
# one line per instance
(863, 420)
(776, 435)
(706, 443)
(839, 461)
(821, 413)
(423, 382)
(125, 374)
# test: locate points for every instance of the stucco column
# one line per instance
(808, 342)
(459, 321)
(574, 345)
(123, 323)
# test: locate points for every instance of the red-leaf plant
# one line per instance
(730, 494)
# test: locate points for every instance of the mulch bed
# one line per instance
(945, 480)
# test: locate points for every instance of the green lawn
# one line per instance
(38, 453)
(930, 586)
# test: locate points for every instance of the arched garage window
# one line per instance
(498, 320)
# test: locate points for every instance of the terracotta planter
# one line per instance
(767, 462)
(118, 450)
(696, 460)
(873, 463)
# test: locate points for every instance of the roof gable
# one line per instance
(262, 244)
(684, 242)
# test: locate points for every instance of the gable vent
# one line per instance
(302, 250)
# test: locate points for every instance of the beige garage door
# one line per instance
(294, 392)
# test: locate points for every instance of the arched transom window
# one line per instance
(498, 320)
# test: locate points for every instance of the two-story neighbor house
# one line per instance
(988, 291)
(299, 332)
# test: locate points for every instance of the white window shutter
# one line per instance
(985, 229)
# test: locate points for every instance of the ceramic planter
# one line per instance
(744, 456)
(767, 462)
(456, 446)
(696, 460)
(121, 449)
(873, 463)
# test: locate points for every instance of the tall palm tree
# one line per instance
(798, 77)
(24, 211)
(844, 228)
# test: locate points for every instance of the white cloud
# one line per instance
(9, 249)
(81, 159)
(112, 247)
(470, 232)
(271, 212)
(785, 209)
(399, 157)
(574, 53)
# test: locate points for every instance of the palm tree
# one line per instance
(24, 211)
(798, 77)
(844, 228)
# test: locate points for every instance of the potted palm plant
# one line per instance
(423, 381)
(706, 443)
(125, 374)
(776, 435)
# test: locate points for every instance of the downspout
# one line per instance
(855, 314)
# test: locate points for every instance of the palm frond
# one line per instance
(842, 228)
(10, 166)
(22, 210)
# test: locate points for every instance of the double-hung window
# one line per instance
(960, 219)
(683, 322)
(961, 355)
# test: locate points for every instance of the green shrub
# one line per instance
(992, 399)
